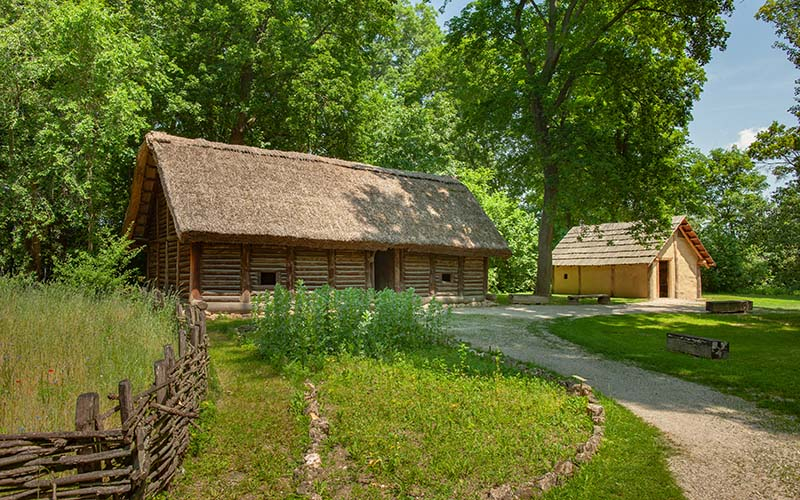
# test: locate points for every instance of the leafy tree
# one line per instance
(779, 147)
(518, 227)
(75, 89)
(729, 208)
(281, 74)
(584, 98)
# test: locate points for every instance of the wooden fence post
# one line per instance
(87, 409)
(160, 370)
(169, 357)
(181, 343)
(125, 402)
(195, 337)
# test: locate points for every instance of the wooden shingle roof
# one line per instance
(615, 244)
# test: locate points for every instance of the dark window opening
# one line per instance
(267, 279)
(447, 277)
(566, 276)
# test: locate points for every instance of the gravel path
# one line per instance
(725, 448)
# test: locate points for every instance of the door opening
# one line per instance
(384, 270)
(663, 278)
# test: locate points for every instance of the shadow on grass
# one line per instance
(761, 367)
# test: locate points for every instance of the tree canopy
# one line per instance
(586, 101)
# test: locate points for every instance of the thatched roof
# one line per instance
(615, 244)
(220, 192)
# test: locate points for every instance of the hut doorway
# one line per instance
(384, 270)
(663, 278)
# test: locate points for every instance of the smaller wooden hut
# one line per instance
(609, 259)
(222, 222)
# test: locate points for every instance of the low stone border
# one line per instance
(583, 452)
(318, 430)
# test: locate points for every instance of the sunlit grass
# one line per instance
(785, 302)
(56, 343)
(427, 426)
(764, 350)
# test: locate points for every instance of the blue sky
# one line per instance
(750, 84)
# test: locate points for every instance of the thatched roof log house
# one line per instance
(221, 222)
(609, 259)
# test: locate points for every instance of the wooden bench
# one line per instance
(528, 299)
(602, 298)
(729, 306)
(701, 347)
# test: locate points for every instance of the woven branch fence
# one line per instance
(135, 460)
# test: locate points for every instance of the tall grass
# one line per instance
(56, 342)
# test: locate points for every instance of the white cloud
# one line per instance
(747, 137)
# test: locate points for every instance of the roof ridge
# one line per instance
(296, 155)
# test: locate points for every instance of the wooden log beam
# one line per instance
(246, 286)
(195, 259)
(460, 276)
(398, 270)
(432, 275)
(290, 270)
(332, 268)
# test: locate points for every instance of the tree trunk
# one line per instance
(544, 270)
(242, 122)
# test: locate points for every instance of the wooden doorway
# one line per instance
(384, 270)
(663, 278)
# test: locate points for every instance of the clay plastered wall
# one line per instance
(631, 281)
(596, 279)
(687, 270)
(683, 274)
(568, 284)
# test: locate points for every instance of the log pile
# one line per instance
(136, 459)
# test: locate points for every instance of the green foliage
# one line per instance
(76, 84)
(306, 326)
(104, 271)
(518, 227)
(729, 209)
(585, 101)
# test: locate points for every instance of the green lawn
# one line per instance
(421, 426)
(250, 442)
(440, 423)
(783, 302)
(764, 350)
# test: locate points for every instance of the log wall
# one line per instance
(311, 266)
(350, 270)
(136, 459)
(473, 277)
(417, 272)
(446, 267)
(167, 259)
(220, 269)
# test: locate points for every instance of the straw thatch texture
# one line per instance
(220, 192)
(615, 244)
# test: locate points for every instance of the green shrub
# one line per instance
(104, 271)
(307, 326)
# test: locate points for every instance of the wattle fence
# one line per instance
(136, 459)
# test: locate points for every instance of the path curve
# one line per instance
(724, 448)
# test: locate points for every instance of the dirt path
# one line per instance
(724, 447)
